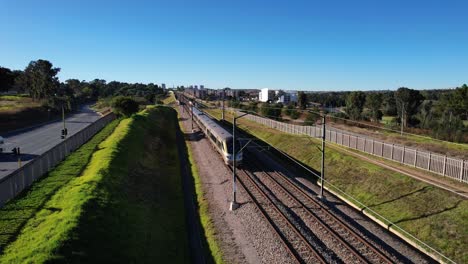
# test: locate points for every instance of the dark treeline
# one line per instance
(39, 80)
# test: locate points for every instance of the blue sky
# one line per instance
(302, 45)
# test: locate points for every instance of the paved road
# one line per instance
(38, 140)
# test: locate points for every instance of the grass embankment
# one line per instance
(170, 99)
(433, 215)
(19, 111)
(126, 207)
(19, 211)
(203, 209)
(14, 103)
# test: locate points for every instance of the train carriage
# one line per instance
(219, 137)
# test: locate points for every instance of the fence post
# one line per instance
(372, 147)
(415, 157)
(403, 156)
(429, 162)
(355, 143)
(381, 148)
(461, 169)
(391, 151)
(445, 165)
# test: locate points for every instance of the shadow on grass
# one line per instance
(421, 190)
(428, 214)
(199, 248)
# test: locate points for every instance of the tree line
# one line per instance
(39, 80)
(441, 112)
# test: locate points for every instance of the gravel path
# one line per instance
(243, 235)
(366, 228)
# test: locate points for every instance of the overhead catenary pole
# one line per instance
(234, 204)
(224, 92)
(322, 170)
(192, 114)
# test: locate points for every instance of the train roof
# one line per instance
(212, 125)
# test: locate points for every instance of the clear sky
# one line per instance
(302, 45)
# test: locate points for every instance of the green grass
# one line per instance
(14, 103)
(203, 210)
(17, 212)
(433, 215)
(126, 207)
(387, 119)
(170, 99)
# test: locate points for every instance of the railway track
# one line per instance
(297, 245)
(337, 235)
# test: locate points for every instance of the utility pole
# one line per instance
(224, 92)
(234, 205)
(192, 115)
(322, 171)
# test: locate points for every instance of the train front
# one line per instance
(229, 157)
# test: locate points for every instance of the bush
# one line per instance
(124, 106)
(311, 118)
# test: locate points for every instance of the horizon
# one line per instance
(297, 45)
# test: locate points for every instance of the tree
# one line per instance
(355, 104)
(7, 79)
(302, 100)
(407, 101)
(374, 102)
(389, 104)
(455, 102)
(39, 79)
(124, 106)
(425, 114)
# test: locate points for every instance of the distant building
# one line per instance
(202, 87)
(287, 97)
(266, 95)
(163, 85)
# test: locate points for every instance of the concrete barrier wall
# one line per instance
(23, 177)
(436, 163)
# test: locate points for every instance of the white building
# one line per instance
(266, 95)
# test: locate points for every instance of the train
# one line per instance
(220, 138)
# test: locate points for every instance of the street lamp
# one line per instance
(234, 205)
(64, 130)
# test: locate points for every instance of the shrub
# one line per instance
(124, 106)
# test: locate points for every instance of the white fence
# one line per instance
(440, 164)
(12, 184)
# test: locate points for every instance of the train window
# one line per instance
(229, 146)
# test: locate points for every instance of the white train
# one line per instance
(219, 137)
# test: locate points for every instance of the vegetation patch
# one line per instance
(433, 215)
(19, 211)
(126, 207)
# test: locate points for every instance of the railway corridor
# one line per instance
(297, 227)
